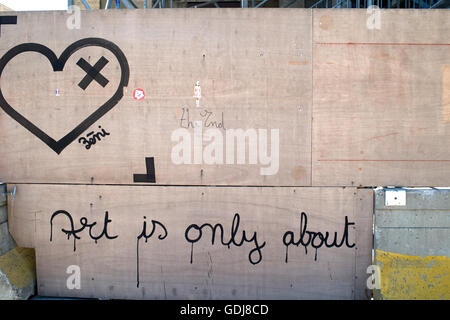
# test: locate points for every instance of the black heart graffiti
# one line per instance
(58, 65)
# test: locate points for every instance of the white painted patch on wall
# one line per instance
(395, 197)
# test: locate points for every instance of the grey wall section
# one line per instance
(17, 265)
(3, 216)
(420, 228)
(412, 244)
(6, 242)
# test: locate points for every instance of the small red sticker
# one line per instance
(138, 94)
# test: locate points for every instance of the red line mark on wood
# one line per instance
(384, 136)
(380, 44)
(299, 63)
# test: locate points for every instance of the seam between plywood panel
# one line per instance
(189, 185)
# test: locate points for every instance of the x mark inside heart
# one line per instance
(58, 65)
(92, 72)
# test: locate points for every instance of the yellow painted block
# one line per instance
(406, 277)
(19, 265)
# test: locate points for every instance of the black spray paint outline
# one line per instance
(150, 175)
(7, 20)
(58, 65)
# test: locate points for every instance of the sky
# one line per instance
(30, 5)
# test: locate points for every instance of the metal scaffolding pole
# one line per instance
(86, 4)
(388, 4)
(127, 4)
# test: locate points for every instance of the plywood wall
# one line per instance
(381, 98)
(377, 93)
(254, 71)
(325, 101)
(265, 258)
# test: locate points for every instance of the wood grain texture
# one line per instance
(253, 66)
(109, 267)
(446, 93)
(378, 98)
(364, 237)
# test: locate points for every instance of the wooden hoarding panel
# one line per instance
(364, 237)
(265, 264)
(249, 71)
(380, 97)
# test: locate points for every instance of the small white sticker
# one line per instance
(197, 93)
(395, 198)
(138, 94)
